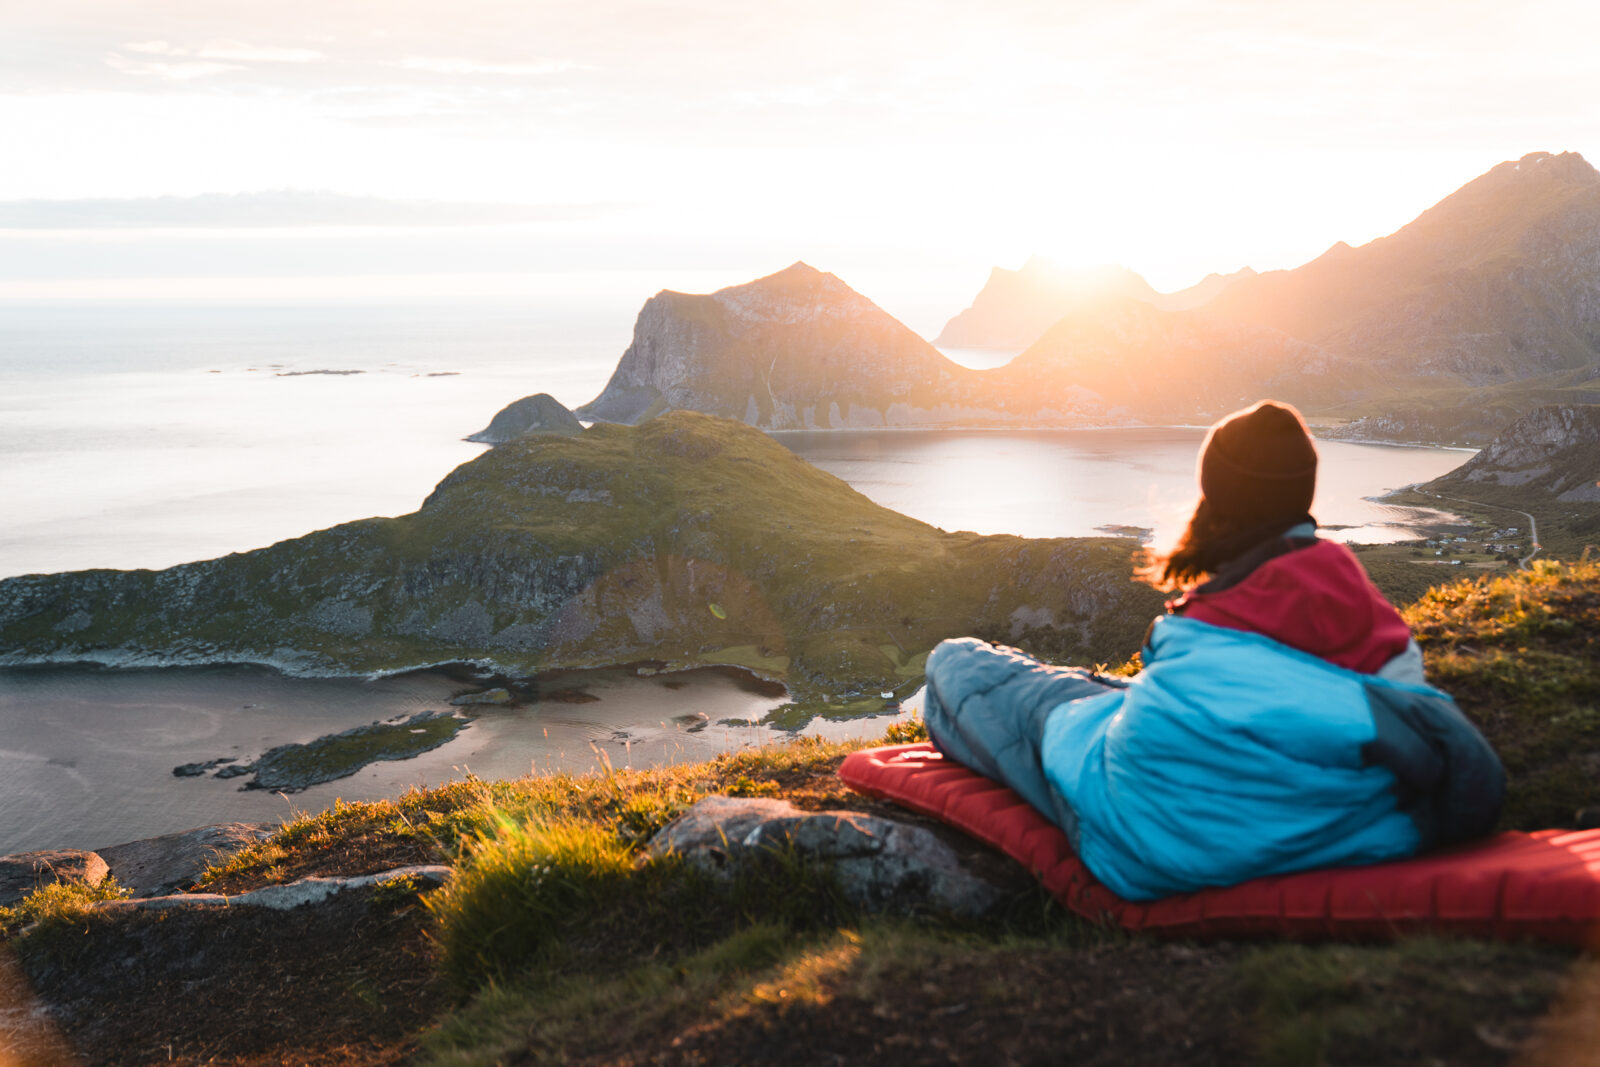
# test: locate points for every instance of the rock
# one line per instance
(158, 865)
(23, 872)
(1551, 451)
(487, 696)
(196, 770)
(881, 864)
(313, 890)
(541, 413)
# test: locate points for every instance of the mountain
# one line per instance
(1551, 454)
(1201, 292)
(688, 540)
(800, 349)
(1176, 365)
(1498, 282)
(1015, 307)
(1483, 308)
(540, 413)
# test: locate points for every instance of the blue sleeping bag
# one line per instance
(1230, 756)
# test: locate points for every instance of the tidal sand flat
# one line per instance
(88, 755)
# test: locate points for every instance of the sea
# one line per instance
(150, 433)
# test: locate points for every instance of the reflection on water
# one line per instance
(87, 755)
(1068, 483)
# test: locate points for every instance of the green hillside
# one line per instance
(687, 540)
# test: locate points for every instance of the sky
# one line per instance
(212, 148)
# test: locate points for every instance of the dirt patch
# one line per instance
(1123, 1002)
(363, 853)
(345, 982)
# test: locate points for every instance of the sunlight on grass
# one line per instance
(519, 887)
(56, 905)
(805, 979)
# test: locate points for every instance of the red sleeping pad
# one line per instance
(1544, 885)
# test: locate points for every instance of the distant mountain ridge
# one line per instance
(1179, 365)
(1016, 307)
(1484, 307)
(800, 349)
(1498, 282)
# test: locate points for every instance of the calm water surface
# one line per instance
(1069, 483)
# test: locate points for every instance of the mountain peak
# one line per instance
(1565, 167)
(1015, 307)
(799, 277)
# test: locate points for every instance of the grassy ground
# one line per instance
(1520, 652)
(556, 943)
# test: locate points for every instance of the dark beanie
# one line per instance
(1258, 465)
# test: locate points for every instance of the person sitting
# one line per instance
(1280, 721)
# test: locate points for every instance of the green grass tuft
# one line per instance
(55, 906)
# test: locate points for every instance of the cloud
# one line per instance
(437, 65)
(187, 70)
(234, 51)
(276, 209)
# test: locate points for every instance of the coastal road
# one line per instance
(1533, 525)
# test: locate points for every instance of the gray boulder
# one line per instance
(881, 864)
(541, 413)
(23, 872)
(159, 865)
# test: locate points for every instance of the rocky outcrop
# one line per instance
(296, 894)
(880, 864)
(1468, 424)
(23, 872)
(1553, 451)
(688, 540)
(156, 866)
(540, 413)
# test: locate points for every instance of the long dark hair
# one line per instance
(1207, 542)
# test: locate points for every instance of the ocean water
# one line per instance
(139, 435)
(145, 435)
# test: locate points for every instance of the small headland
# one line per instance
(295, 767)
